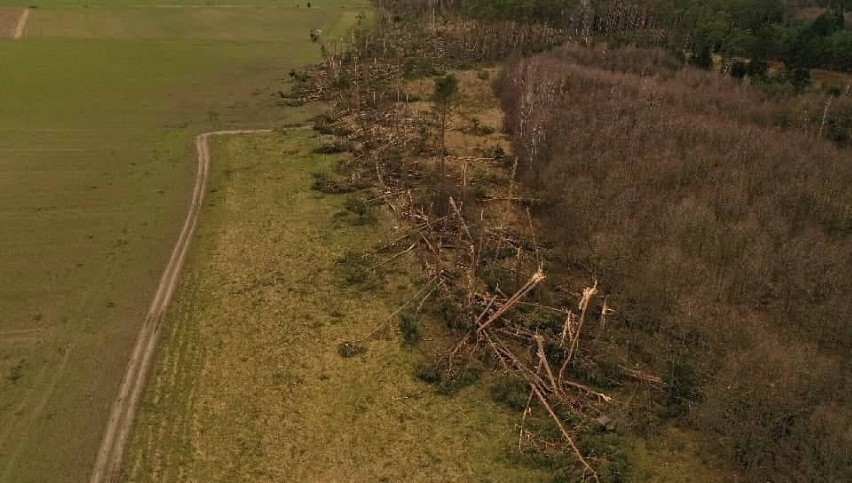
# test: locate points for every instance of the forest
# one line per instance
(746, 34)
(714, 228)
(674, 243)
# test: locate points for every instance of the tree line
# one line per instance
(746, 34)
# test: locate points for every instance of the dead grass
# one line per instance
(249, 384)
(476, 104)
(822, 77)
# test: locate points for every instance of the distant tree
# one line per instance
(828, 23)
(444, 96)
(798, 77)
(839, 50)
(801, 48)
(753, 14)
(703, 57)
(757, 68)
(739, 69)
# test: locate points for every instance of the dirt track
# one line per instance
(21, 25)
(108, 464)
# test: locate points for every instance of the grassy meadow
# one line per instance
(98, 109)
(249, 385)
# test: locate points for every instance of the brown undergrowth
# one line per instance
(719, 220)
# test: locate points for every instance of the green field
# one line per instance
(249, 384)
(98, 108)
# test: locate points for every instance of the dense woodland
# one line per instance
(714, 214)
(746, 34)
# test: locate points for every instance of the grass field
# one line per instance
(97, 114)
(249, 385)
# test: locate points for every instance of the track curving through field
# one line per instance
(108, 463)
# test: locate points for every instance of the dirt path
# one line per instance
(21, 26)
(108, 464)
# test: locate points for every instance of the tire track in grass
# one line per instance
(31, 418)
(21, 407)
(108, 463)
(42, 390)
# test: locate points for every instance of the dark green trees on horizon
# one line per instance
(752, 31)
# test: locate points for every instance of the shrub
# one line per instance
(476, 128)
(682, 385)
(478, 191)
(325, 124)
(415, 68)
(448, 380)
(362, 210)
(328, 184)
(450, 309)
(612, 453)
(410, 328)
(333, 147)
(16, 372)
(511, 391)
(598, 372)
(299, 76)
(342, 82)
(499, 154)
(546, 320)
(505, 279)
(354, 268)
(350, 349)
